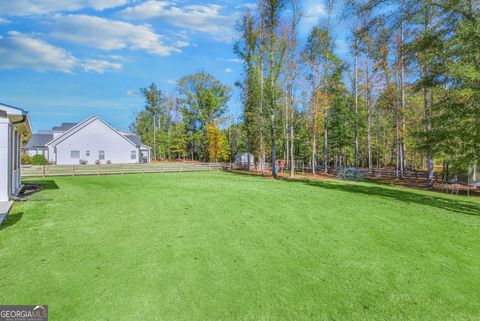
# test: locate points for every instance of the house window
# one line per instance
(74, 154)
(101, 155)
(133, 154)
(87, 153)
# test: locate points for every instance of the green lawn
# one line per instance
(220, 246)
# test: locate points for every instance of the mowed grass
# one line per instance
(221, 246)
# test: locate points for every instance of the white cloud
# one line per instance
(171, 82)
(229, 70)
(201, 18)
(106, 4)
(118, 58)
(313, 12)
(247, 6)
(232, 60)
(100, 66)
(132, 93)
(109, 34)
(181, 44)
(18, 50)
(35, 7)
(4, 21)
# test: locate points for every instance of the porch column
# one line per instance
(4, 157)
(13, 161)
(19, 159)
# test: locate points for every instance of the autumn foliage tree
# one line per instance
(218, 149)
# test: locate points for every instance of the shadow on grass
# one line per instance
(35, 186)
(399, 194)
(11, 220)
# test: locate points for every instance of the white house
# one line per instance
(88, 142)
(14, 124)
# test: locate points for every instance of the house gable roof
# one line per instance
(83, 124)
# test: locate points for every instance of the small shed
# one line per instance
(245, 159)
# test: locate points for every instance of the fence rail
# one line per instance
(82, 170)
(305, 169)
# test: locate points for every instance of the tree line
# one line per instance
(408, 96)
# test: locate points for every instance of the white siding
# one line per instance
(51, 154)
(5, 150)
(9, 159)
(57, 134)
(94, 137)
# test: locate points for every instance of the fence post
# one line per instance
(195, 167)
(73, 170)
(209, 167)
(44, 171)
(303, 169)
(123, 169)
(179, 167)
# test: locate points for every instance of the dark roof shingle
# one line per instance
(39, 140)
(64, 127)
(137, 140)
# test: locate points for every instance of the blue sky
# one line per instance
(66, 60)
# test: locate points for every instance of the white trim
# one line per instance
(72, 130)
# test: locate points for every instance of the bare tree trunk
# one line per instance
(402, 98)
(314, 147)
(397, 145)
(262, 103)
(274, 151)
(292, 157)
(427, 106)
(285, 130)
(427, 101)
(379, 135)
(330, 4)
(325, 143)
(154, 138)
(355, 84)
(293, 74)
(367, 105)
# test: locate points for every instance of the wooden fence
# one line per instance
(81, 170)
(372, 173)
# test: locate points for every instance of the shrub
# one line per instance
(26, 159)
(83, 162)
(97, 162)
(109, 162)
(39, 160)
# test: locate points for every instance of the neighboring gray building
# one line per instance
(90, 141)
